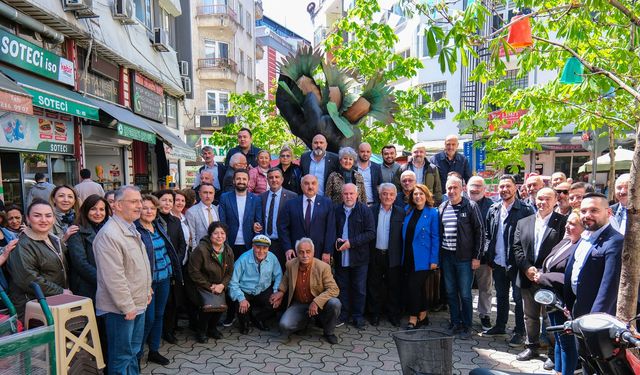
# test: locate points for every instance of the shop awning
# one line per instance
(130, 125)
(13, 98)
(51, 96)
(179, 148)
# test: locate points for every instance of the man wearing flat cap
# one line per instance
(256, 276)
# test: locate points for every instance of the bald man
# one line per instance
(319, 162)
(562, 190)
(533, 185)
(450, 160)
(619, 210)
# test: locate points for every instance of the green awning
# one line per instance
(130, 125)
(179, 148)
(52, 96)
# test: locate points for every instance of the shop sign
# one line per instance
(15, 103)
(148, 98)
(217, 150)
(179, 153)
(46, 132)
(506, 119)
(103, 88)
(61, 104)
(26, 55)
(135, 133)
(479, 156)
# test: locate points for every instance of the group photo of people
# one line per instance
(331, 240)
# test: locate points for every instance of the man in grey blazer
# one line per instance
(200, 215)
(273, 201)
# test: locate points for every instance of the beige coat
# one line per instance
(124, 274)
(322, 284)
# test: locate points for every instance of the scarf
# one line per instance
(347, 175)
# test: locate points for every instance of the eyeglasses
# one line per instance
(132, 201)
(565, 192)
(285, 156)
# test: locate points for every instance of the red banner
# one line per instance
(506, 119)
(11, 102)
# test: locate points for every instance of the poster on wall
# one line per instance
(47, 132)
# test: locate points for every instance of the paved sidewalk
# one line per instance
(368, 351)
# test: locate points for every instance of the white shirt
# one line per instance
(241, 201)
(206, 211)
(305, 203)
(540, 227)
(580, 255)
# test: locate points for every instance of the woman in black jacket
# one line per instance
(94, 212)
(173, 228)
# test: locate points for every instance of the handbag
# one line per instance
(212, 302)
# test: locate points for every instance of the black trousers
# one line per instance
(259, 307)
(278, 251)
(384, 286)
(207, 321)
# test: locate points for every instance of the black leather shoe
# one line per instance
(156, 357)
(214, 334)
(359, 324)
(259, 324)
(527, 354)
(242, 325)
(394, 321)
(170, 338)
(375, 321)
(331, 339)
(201, 338)
(423, 322)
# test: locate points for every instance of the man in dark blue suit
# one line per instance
(242, 212)
(319, 162)
(593, 271)
(273, 202)
(309, 215)
(356, 229)
(371, 172)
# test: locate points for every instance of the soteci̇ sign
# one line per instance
(26, 55)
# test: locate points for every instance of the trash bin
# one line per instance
(424, 351)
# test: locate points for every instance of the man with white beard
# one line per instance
(319, 162)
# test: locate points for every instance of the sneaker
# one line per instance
(494, 332)
(548, 364)
(228, 322)
(339, 323)
(516, 340)
(485, 321)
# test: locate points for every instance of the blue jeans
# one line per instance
(124, 340)
(502, 282)
(352, 282)
(155, 315)
(458, 278)
(566, 349)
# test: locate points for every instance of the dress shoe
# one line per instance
(527, 354)
(201, 338)
(331, 339)
(494, 332)
(423, 323)
(242, 325)
(359, 324)
(375, 320)
(156, 357)
(259, 324)
(214, 334)
(410, 326)
(394, 321)
(548, 364)
(170, 338)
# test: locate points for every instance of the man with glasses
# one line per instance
(562, 190)
(407, 182)
(291, 173)
(124, 281)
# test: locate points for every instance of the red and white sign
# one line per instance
(505, 119)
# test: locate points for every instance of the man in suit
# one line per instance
(309, 215)
(384, 284)
(427, 172)
(319, 162)
(619, 210)
(313, 293)
(273, 201)
(534, 238)
(533, 184)
(242, 212)
(371, 173)
(356, 229)
(593, 271)
(200, 215)
(500, 227)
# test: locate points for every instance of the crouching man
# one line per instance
(313, 293)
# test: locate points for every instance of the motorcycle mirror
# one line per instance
(545, 297)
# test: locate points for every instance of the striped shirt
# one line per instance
(162, 268)
(450, 225)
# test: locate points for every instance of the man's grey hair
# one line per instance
(206, 148)
(119, 193)
(387, 186)
(350, 184)
(207, 172)
(306, 240)
(286, 148)
(623, 178)
(454, 180)
(235, 158)
(347, 151)
(408, 173)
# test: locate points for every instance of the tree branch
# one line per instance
(626, 11)
(595, 113)
(533, 14)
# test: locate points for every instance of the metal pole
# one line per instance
(473, 149)
(594, 165)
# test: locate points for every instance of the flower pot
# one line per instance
(358, 110)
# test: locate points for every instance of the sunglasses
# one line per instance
(566, 192)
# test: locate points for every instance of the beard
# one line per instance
(318, 152)
(241, 187)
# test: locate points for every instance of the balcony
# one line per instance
(223, 69)
(219, 17)
(259, 86)
(214, 121)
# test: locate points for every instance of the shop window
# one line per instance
(217, 102)
(168, 25)
(172, 112)
(435, 91)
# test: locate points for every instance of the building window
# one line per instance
(215, 50)
(517, 83)
(249, 67)
(421, 43)
(168, 24)
(249, 22)
(241, 63)
(144, 12)
(172, 112)
(241, 15)
(217, 102)
(435, 91)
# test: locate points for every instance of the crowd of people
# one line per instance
(337, 239)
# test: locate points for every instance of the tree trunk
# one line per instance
(630, 275)
(612, 165)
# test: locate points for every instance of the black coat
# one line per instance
(553, 269)
(395, 249)
(470, 230)
(524, 243)
(173, 227)
(362, 231)
(331, 164)
(82, 263)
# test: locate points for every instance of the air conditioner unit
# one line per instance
(184, 68)
(186, 85)
(124, 11)
(160, 40)
(74, 5)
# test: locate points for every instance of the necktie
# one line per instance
(307, 216)
(210, 215)
(270, 217)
